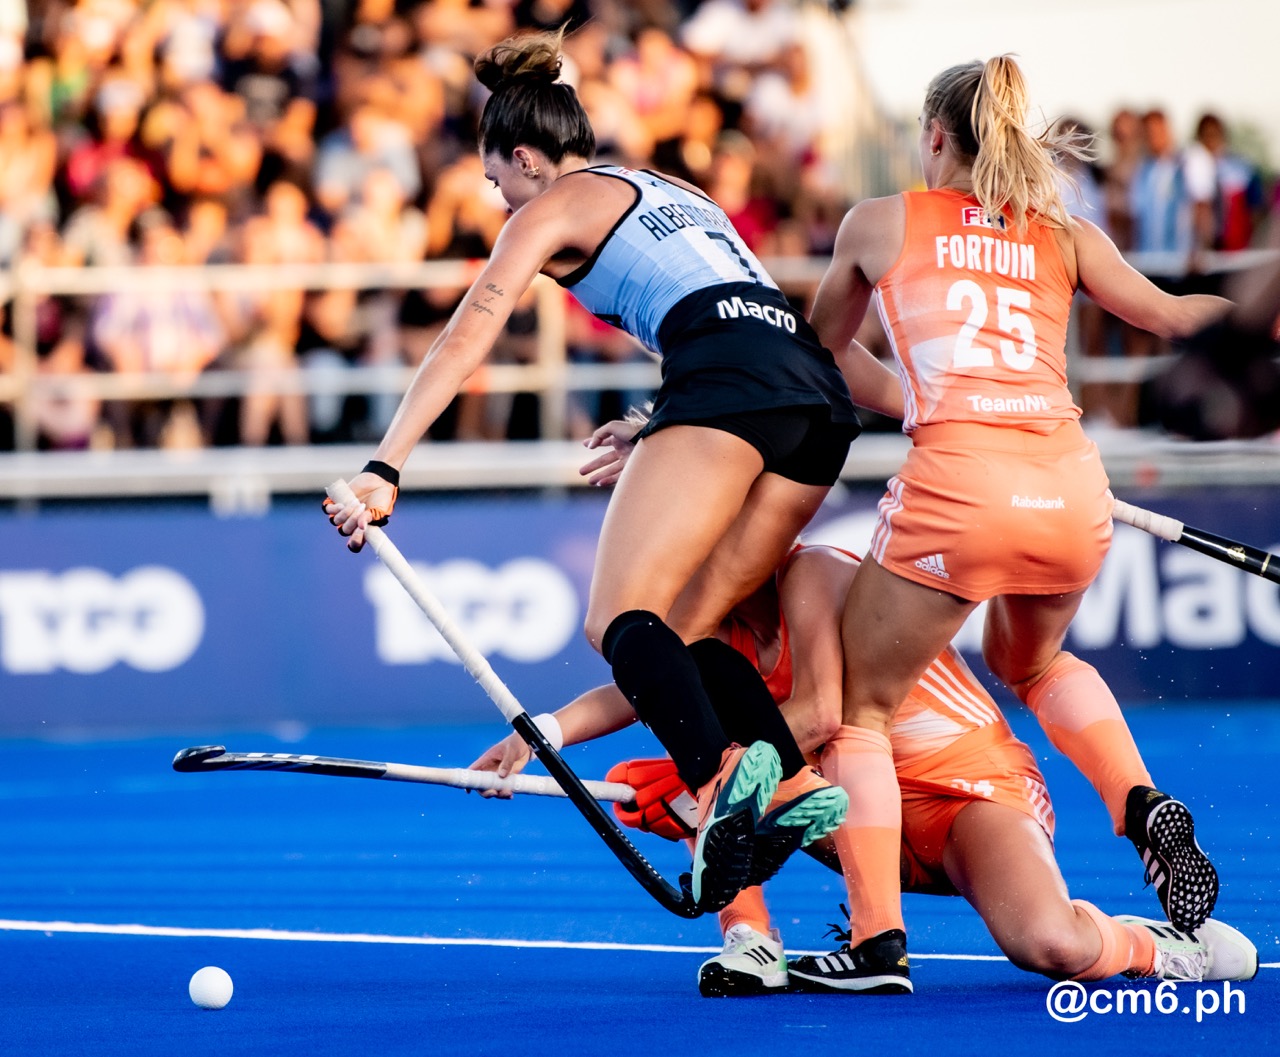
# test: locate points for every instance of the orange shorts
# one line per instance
(980, 511)
(989, 764)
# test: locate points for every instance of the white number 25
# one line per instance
(967, 354)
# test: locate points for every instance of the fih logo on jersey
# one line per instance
(977, 217)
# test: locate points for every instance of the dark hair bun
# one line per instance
(528, 58)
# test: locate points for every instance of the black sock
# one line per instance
(742, 701)
(653, 667)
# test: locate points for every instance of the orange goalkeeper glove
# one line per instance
(663, 803)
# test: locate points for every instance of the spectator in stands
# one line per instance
(14, 74)
(28, 158)
(66, 418)
(1126, 155)
(1170, 193)
(184, 35)
(1239, 202)
(210, 148)
(462, 27)
(267, 325)
(85, 39)
(450, 34)
(381, 227)
(172, 332)
(732, 187)
(1084, 195)
(278, 85)
(99, 233)
(330, 341)
(464, 217)
(658, 79)
(465, 213)
(690, 157)
(111, 132)
(786, 115)
(206, 233)
(735, 40)
(371, 139)
(622, 137)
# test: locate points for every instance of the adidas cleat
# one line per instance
(750, 964)
(1164, 834)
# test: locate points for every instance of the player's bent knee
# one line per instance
(597, 626)
(1057, 951)
(594, 628)
(817, 726)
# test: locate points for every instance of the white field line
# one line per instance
(365, 937)
(420, 941)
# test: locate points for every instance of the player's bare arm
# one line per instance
(1123, 291)
(867, 244)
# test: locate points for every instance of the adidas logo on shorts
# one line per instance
(933, 564)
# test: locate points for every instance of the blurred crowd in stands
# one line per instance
(192, 132)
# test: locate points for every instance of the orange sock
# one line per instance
(747, 908)
(1125, 948)
(860, 761)
(1084, 723)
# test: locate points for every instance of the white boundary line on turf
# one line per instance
(365, 937)
(421, 941)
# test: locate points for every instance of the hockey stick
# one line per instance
(1241, 555)
(677, 900)
(216, 758)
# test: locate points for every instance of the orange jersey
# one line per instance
(977, 317)
(742, 639)
(947, 703)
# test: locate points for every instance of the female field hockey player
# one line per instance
(751, 427)
(1002, 497)
(977, 819)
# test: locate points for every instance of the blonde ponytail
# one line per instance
(984, 106)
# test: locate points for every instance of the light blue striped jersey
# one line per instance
(669, 244)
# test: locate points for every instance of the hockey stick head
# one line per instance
(193, 759)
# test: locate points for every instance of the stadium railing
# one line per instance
(238, 478)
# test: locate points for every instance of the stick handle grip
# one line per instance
(1165, 527)
(535, 784)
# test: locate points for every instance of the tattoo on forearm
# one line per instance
(483, 305)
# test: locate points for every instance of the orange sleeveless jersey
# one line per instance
(977, 317)
(779, 680)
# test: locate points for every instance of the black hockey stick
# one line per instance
(1241, 555)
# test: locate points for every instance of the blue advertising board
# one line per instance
(167, 618)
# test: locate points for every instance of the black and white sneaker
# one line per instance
(1164, 834)
(876, 966)
(1215, 951)
(750, 964)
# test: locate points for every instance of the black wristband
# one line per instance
(384, 470)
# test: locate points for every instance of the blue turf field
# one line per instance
(425, 920)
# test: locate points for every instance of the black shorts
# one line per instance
(801, 444)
